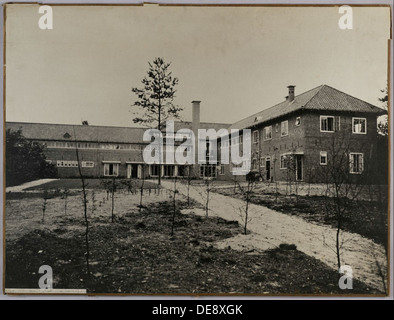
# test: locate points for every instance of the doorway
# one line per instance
(133, 171)
(299, 168)
(268, 168)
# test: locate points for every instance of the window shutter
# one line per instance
(337, 123)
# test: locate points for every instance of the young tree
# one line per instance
(111, 187)
(155, 99)
(189, 177)
(44, 205)
(85, 206)
(175, 192)
(66, 192)
(247, 192)
(343, 187)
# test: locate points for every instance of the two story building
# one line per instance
(297, 139)
(300, 138)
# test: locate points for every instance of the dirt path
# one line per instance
(271, 228)
(28, 185)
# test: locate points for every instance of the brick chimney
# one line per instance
(291, 95)
(195, 127)
(195, 116)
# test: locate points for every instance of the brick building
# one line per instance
(298, 138)
(103, 151)
(295, 139)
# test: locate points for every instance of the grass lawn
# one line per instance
(90, 183)
(137, 254)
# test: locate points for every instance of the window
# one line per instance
(254, 164)
(87, 164)
(66, 164)
(326, 124)
(262, 162)
(154, 170)
(356, 163)
(255, 136)
(221, 171)
(359, 125)
(169, 170)
(207, 171)
(111, 169)
(298, 121)
(268, 133)
(277, 127)
(283, 161)
(323, 158)
(284, 128)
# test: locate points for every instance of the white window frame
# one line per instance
(333, 123)
(255, 136)
(284, 162)
(87, 164)
(221, 171)
(323, 154)
(254, 164)
(114, 164)
(262, 162)
(351, 154)
(284, 124)
(353, 127)
(265, 133)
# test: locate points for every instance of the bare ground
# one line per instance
(138, 255)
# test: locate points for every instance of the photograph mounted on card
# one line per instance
(196, 150)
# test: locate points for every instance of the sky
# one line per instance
(236, 60)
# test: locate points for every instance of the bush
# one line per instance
(25, 160)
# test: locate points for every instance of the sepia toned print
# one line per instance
(196, 150)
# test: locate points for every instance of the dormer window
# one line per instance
(67, 135)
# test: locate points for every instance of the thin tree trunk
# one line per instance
(337, 243)
(113, 204)
(160, 144)
(174, 207)
(246, 215)
(85, 201)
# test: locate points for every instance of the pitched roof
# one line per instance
(203, 125)
(324, 98)
(89, 133)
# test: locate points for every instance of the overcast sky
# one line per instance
(236, 60)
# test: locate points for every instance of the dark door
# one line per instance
(299, 169)
(134, 171)
(268, 169)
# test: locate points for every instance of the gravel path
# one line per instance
(28, 185)
(271, 228)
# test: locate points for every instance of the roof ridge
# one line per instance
(72, 125)
(321, 87)
(277, 104)
(353, 97)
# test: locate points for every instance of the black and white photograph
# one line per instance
(197, 150)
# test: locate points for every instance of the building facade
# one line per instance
(306, 136)
(297, 139)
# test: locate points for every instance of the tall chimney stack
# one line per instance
(195, 127)
(196, 116)
(291, 93)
